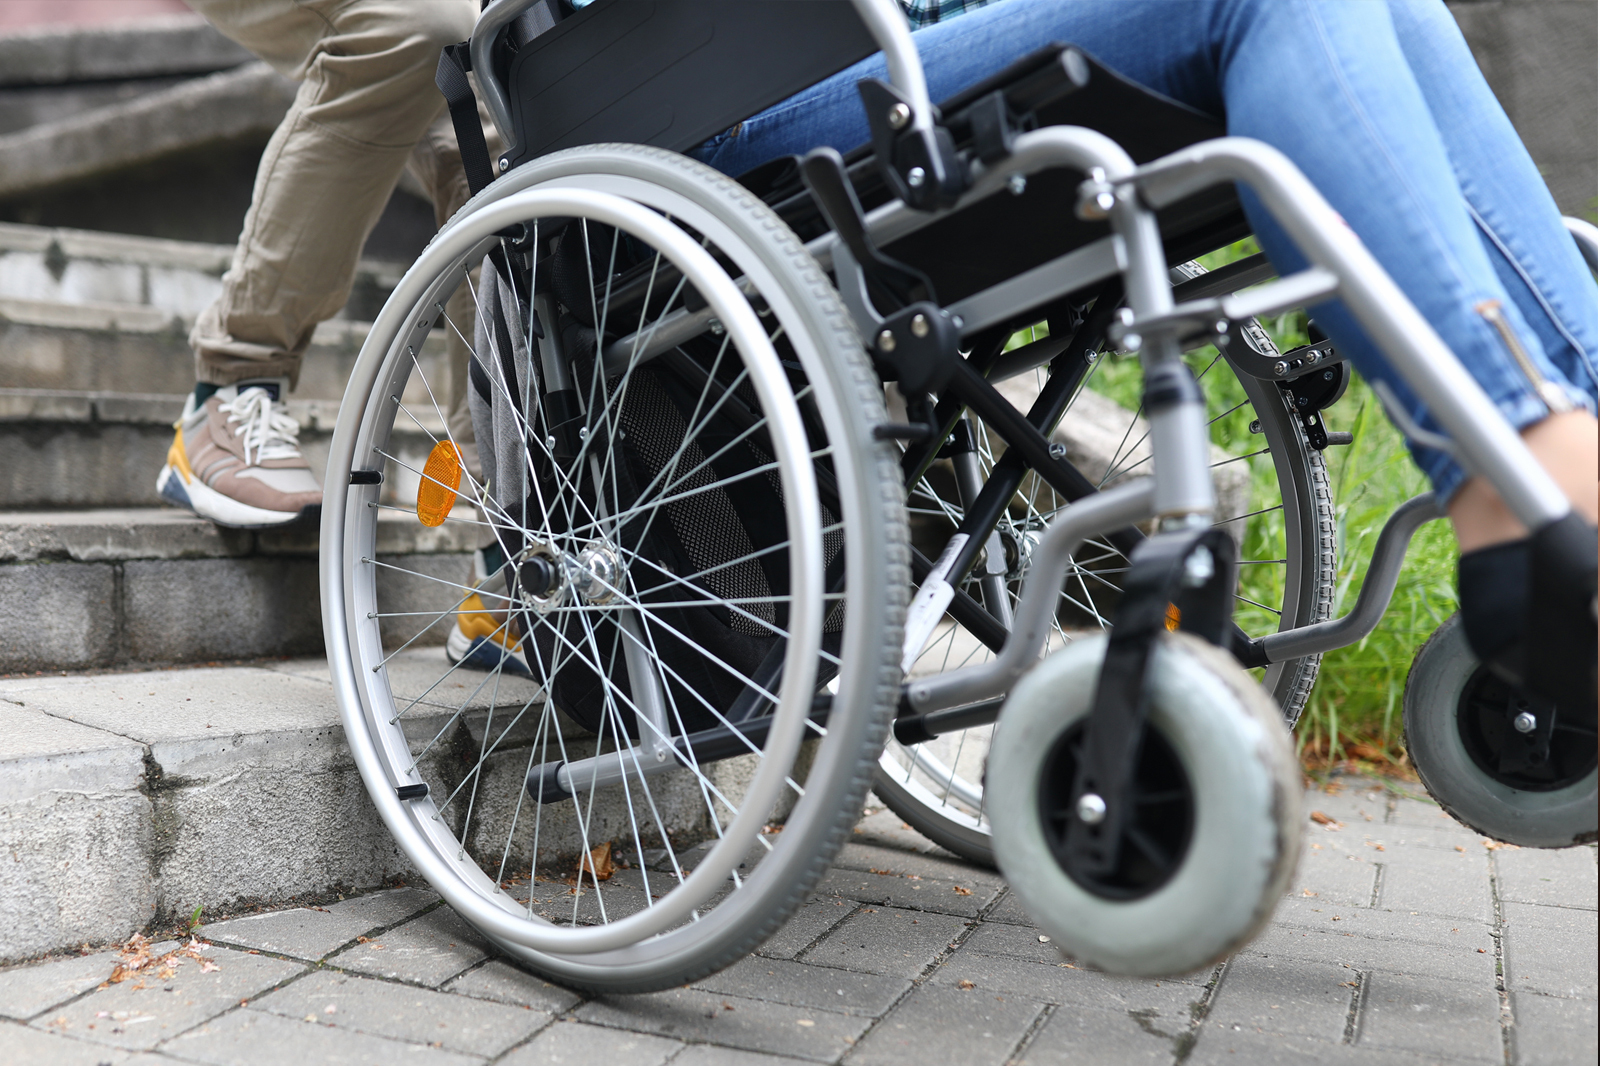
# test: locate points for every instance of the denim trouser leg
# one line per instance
(1350, 94)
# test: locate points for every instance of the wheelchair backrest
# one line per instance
(671, 72)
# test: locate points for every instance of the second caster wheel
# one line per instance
(1214, 834)
(1533, 786)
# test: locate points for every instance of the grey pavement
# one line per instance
(1406, 939)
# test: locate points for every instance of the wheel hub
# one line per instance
(549, 578)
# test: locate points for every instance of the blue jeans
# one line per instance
(1381, 105)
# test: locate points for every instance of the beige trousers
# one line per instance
(367, 108)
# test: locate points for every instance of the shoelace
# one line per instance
(266, 429)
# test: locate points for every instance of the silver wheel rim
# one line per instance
(464, 885)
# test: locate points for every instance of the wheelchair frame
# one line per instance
(1178, 494)
(1179, 491)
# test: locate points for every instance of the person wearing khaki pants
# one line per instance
(367, 109)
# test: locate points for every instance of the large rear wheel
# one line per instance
(691, 582)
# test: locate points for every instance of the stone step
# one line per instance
(143, 285)
(92, 589)
(104, 449)
(127, 800)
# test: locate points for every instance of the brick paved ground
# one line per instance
(1404, 941)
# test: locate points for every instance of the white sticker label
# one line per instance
(928, 606)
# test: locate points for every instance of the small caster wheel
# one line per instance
(1499, 764)
(1212, 841)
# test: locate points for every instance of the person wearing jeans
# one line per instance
(367, 108)
(1383, 108)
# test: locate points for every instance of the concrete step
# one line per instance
(68, 448)
(127, 800)
(82, 589)
(110, 312)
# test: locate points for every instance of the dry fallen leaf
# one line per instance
(597, 863)
(1326, 820)
(207, 966)
(807, 1022)
(958, 890)
(965, 984)
(1307, 892)
(1461, 849)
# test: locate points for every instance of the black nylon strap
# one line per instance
(451, 78)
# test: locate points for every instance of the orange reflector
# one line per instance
(441, 477)
(1174, 616)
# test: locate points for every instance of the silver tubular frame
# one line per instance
(1484, 440)
(1383, 572)
(1180, 489)
(1091, 516)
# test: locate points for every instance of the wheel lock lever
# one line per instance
(1177, 580)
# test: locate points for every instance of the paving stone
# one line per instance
(1348, 804)
(1073, 1036)
(1231, 1046)
(704, 1017)
(1015, 941)
(505, 983)
(257, 1038)
(886, 941)
(141, 1012)
(27, 990)
(958, 1025)
(862, 857)
(1066, 983)
(31, 1047)
(312, 932)
(1423, 813)
(938, 895)
(709, 1055)
(1367, 939)
(1562, 877)
(426, 951)
(800, 985)
(1430, 1016)
(883, 827)
(809, 923)
(1332, 872)
(1550, 949)
(1284, 996)
(1434, 881)
(576, 1044)
(401, 1012)
(1554, 1032)
(1009, 911)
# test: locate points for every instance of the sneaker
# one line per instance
(482, 639)
(235, 459)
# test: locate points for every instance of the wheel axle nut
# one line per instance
(1524, 722)
(1091, 809)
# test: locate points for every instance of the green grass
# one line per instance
(1358, 693)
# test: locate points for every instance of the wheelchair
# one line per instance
(769, 513)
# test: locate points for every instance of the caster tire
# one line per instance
(1451, 730)
(1218, 801)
